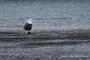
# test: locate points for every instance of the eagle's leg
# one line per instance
(28, 31)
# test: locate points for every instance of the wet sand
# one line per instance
(45, 45)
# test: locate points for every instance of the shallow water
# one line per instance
(48, 14)
(45, 45)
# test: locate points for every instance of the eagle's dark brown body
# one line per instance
(28, 27)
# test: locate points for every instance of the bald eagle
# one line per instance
(28, 26)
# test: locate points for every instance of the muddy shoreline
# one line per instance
(45, 45)
(44, 37)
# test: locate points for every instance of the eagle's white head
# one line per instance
(30, 21)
